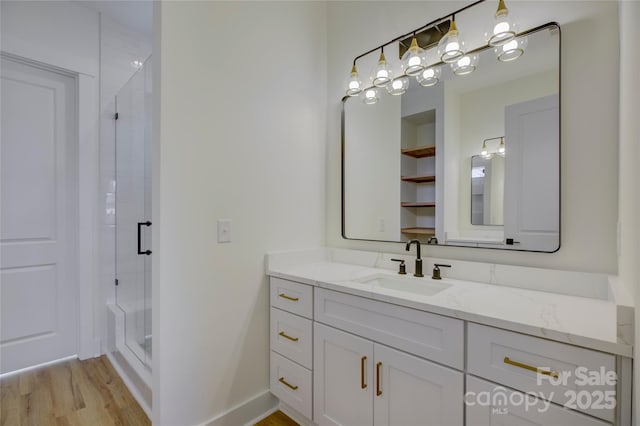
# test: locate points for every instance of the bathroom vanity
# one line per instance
(355, 343)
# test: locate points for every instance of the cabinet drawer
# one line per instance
(291, 336)
(424, 334)
(292, 297)
(512, 359)
(291, 383)
(488, 404)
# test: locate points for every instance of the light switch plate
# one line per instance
(224, 230)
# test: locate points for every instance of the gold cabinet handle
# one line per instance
(286, 336)
(553, 374)
(293, 299)
(362, 368)
(378, 390)
(287, 384)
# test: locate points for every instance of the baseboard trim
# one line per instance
(294, 415)
(129, 383)
(246, 413)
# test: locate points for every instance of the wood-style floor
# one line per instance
(277, 419)
(83, 393)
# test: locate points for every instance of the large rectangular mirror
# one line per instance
(411, 163)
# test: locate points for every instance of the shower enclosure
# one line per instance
(133, 211)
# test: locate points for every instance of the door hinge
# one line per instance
(116, 116)
(116, 282)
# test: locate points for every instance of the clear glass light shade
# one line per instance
(413, 61)
(451, 46)
(485, 153)
(465, 65)
(354, 83)
(512, 50)
(429, 77)
(501, 148)
(501, 30)
(398, 86)
(382, 73)
(370, 96)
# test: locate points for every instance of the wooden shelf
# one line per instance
(420, 151)
(422, 231)
(418, 179)
(418, 204)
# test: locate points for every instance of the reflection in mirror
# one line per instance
(487, 190)
(407, 160)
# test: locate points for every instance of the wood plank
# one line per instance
(422, 231)
(71, 393)
(277, 419)
(418, 179)
(418, 204)
(420, 151)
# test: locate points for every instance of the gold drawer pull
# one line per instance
(362, 368)
(293, 299)
(553, 374)
(293, 339)
(378, 390)
(287, 384)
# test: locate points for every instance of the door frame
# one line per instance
(86, 189)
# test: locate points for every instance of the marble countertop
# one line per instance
(580, 321)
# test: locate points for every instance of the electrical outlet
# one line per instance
(224, 230)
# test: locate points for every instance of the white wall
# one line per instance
(241, 89)
(589, 117)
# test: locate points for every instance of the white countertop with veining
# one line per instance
(582, 321)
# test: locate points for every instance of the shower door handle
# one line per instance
(140, 225)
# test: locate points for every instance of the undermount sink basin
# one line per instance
(421, 286)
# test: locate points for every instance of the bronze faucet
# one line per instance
(418, 272)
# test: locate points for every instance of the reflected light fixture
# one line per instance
(451, 46)
(354, 84)
(465, 65)
(370, 96)
(501, 147)
(429, 77)
(503, 29)
(512, 50)
(413, 60)
(137, 64)
(484, 151)
(398, 85)
(382, 73)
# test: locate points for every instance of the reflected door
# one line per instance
(133, 210)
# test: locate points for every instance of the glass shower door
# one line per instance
(133, 211)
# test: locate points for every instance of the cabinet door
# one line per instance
(413, 391)
(343, 378)
(488, 404)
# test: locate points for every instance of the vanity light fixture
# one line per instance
(398, 85)
(429, 77)
(451, 46)
(382, 73)
(370, 96)
(496, 148)
(512, 50)
(501, 147)
(503, 29)
(413, 60)
(354, 84)
(465, 65)
(484, 153)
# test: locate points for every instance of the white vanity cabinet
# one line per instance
(359, 382)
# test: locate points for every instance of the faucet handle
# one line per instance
(436, 270)
(402, 268)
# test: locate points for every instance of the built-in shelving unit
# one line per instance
(418, 204)
(419, 179)
(420, 151)
(419, 231)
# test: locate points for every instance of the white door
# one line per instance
(342, 378)
(38, 288)
(532, 174)
(413, 391)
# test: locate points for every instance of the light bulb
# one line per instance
(370, 96)
(503, 29)
(511, 50)
(398, 86)
(451, 47)
(413, 60)
(429, 77)
(501, 148)
(382, 72)
(354, 84)
(465, 65)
